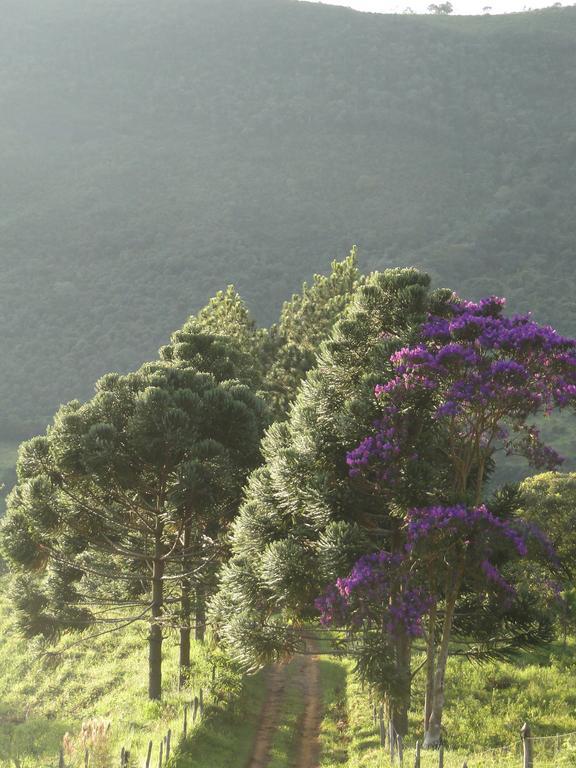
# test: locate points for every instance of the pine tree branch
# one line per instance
(95, 635)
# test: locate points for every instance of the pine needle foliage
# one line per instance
(123, 501)
(306, 320)
(302, 516)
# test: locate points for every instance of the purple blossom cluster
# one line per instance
(383, 588)
(376, 589)
(479, 530)
(483, 324)
(384, 449)
(468, 523)
(479, 371)
(493, 575)
(407, 610)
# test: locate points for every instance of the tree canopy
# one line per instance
(125, 500)
(302, 519)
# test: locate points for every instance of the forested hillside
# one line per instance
(151, 153)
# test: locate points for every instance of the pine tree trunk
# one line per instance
(400, 717)
(186, 610)
(185, 634)
(155, 636)
(200, 613)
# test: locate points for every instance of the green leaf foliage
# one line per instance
(549, 500)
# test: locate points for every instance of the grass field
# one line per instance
(486, 708)
(42, 697)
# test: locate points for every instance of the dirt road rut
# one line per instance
(305, 669)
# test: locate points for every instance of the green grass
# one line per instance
(486, 707)
(44, 696)
(226, 737)
(538, 688)
(334, 728)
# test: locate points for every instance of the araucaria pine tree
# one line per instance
(304, 519)
(306, 320)
(123, 500)
(222, 340)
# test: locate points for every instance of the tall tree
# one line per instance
(304, 518)
(306, 320)
(112, 508)
(470, 386)
(221, 339)
(224, 340)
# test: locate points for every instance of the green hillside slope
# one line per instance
(43, 696)
(151, 153)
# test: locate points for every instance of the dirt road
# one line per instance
(305, 669)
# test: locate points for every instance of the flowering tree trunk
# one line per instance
(401, 706)
(433, 734)
(430, 666)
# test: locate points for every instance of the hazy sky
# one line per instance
(419, 6)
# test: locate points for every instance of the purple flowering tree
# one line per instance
(467, 392)
(379, 601)
(459, 548)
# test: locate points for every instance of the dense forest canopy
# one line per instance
(151, 153)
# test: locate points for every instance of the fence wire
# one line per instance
(558, 751)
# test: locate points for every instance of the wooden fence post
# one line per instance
(441, 757)
(86, 758)
(400, 747)
(392, 741)
(528, 746)
(149, 755)
(160, 755)
(122, 758)
(382, 727)
(417, 758)
(201, 702)
(195, 710)
(61, 763)
(168, 739)
(185, 720)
